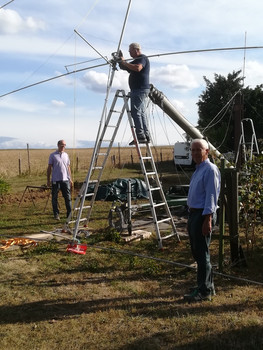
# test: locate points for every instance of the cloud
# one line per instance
(12, 23)
(253, 73)
(97, 81)
(175, 76)
(58, 103)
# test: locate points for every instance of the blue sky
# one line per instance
(38, 41)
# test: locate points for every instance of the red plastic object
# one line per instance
(77, 248)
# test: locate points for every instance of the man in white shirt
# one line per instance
(59, 166)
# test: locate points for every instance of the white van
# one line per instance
(182, 154)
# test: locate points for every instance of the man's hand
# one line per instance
(207, 225)
(120, 54)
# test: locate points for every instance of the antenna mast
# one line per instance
(110, 80)
(244, 60)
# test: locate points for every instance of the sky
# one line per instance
(43, 40)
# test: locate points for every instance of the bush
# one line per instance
(112, 235)
(251, 194)
(4, 187)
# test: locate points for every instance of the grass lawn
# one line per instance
(117, 295)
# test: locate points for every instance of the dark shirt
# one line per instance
(139, 80)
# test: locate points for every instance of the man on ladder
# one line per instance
(139, 70)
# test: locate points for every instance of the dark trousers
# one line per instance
(200, 251)
(64, 186)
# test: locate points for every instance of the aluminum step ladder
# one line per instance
(248, 148)
(78, 217)
(154, 187)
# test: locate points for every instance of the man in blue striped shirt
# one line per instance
(202, 203)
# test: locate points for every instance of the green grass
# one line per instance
(114, 297)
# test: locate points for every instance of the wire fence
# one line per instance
(34, 161)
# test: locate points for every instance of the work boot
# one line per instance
(139, 141)
(196, 296)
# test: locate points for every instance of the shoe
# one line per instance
(139, 141)
(148, 139)
(196, 296)
(192, 289)
(56, 217)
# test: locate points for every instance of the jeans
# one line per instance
(139, 100)
(64, 186)
(200, 251)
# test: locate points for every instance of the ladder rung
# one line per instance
(164, 220)
(106, 140)
(93, 181)
(84, 207)
(159, 204)
(102, 154)
(111, 126)
(169, 236)
(150, 173)
(71, 221)
(146, 157)
(89, 194)
(155, 188)
(80, 220)
(97, 167)
(84, 219)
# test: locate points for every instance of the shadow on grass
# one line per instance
(246, 338)
(161, 305)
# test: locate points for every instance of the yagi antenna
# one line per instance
(111, 76)
(6, 4)
(149, 56)
(86, 41)
(75, 64)
(124, 25)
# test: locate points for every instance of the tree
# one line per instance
(215, 109)
(253, 109)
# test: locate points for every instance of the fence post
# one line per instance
(77, 164)
(222, 211)
(19, 166)
(28, 158)
(119, 152)
(232, 215)
(131, 157)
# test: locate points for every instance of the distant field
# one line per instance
(34, 161)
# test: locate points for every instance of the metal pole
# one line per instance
(222, 211)
(124, 25)
(162, 101)
(129, 208)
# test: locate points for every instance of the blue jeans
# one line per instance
(64, 186)
(200, 251)
(138, 111)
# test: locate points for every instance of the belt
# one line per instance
(192, 210)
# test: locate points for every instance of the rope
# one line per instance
(210, 125)
(121, 251)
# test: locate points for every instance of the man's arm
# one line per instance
(69, 173)
(132, 66)
(49, 168)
